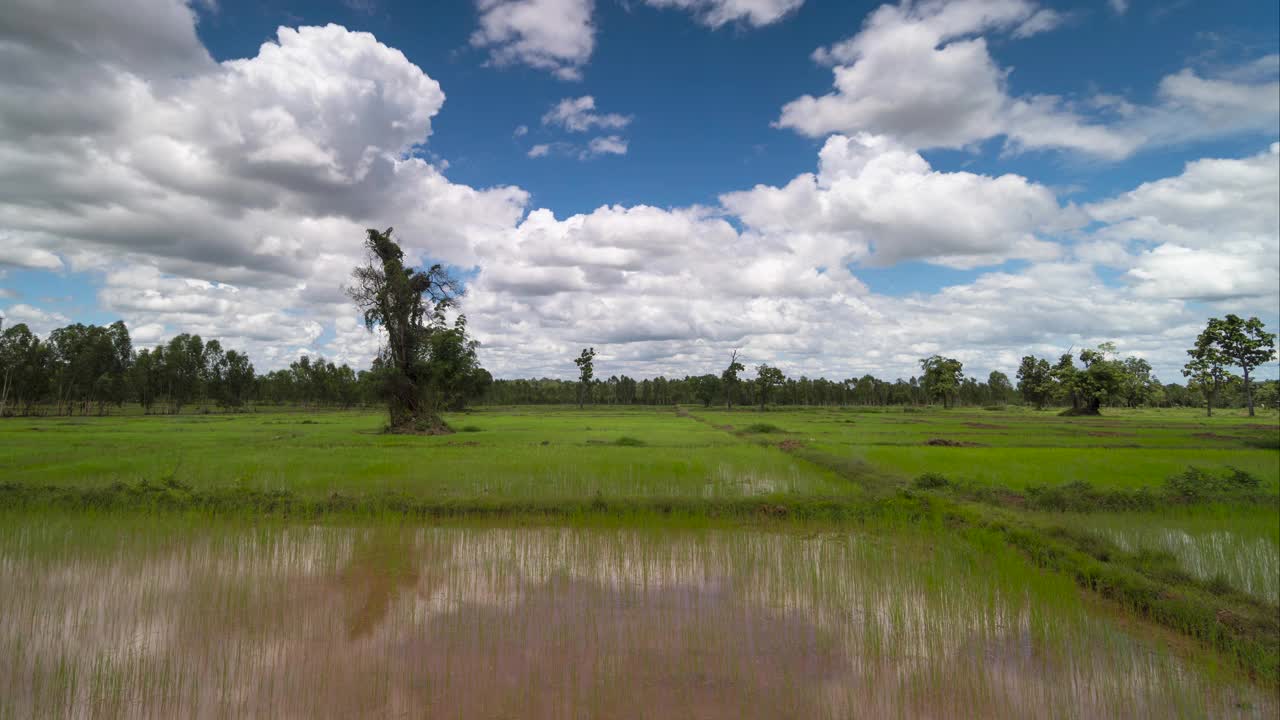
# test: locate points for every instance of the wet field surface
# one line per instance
(533, 622)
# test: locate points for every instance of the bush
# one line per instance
(627, 441)
(762, 428)
(931, 480)
(470, 428)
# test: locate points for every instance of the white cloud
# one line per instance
(231, 200)
(1211, 233)
(607, 145)
(922, 72)
(879, 201)
(259, 174)
(521, 131)
(16, 251)
(1119, 7)
(554, 35)
(578, 115)
(540, 150)
(41, 322)
(717, 13)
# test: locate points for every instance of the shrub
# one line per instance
(470, 428)
(931, 480)
(1241, 479)
(762, 428)
(627, 441)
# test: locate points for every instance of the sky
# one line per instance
(835, 188)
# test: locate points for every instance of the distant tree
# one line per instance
(706, 387)
(729, 378)
(1137, 384)
(999, 386)
(410, 306)
(767, 378)
(1245, 344)
(184, 370)
(1207, 368)
(17, 353)
(236, 374)
(1100, 381)
(586, 370)
(942, 378)
(1035, 381)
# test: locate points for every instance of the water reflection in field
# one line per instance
(562, 623)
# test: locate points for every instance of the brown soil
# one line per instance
(1215, 436)
(790, 445)
(946, 442)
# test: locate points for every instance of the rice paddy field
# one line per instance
(650, 563)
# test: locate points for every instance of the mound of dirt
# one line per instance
(946, 442)
(790, 445)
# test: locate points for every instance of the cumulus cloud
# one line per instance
(879, 201)
(553, 35)
(579, 115)
(230, 199)
(1210, 233)
(923, 73)
(717, 13)
(259, 174)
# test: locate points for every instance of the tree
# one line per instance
(999, 387)
(1206, 369)
(1137, 384)
(706, 387)
(1100, 380)
(1035, 381)
(409, 305)
(586, 370)
(942, 378)
(16, 355)
(1243, 343)
(767, 378)
(730, 379)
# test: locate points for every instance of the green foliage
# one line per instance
(942, 378)
(762, 429)
(628, 441)
(586, 371)
(425, 366)
(767, 378)
(1231, 341)
(930, 481)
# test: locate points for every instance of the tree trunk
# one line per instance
(1248, 391)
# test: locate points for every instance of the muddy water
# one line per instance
(558, 623)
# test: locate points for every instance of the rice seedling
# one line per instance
(155, 617)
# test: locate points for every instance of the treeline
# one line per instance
(89, 369)
(864, 391)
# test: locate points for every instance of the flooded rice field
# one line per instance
(102, 618)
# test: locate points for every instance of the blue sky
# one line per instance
(717, 211)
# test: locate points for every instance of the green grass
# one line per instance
(511, 455)
(1241, 546)
(1017, 448)
(821, 470)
